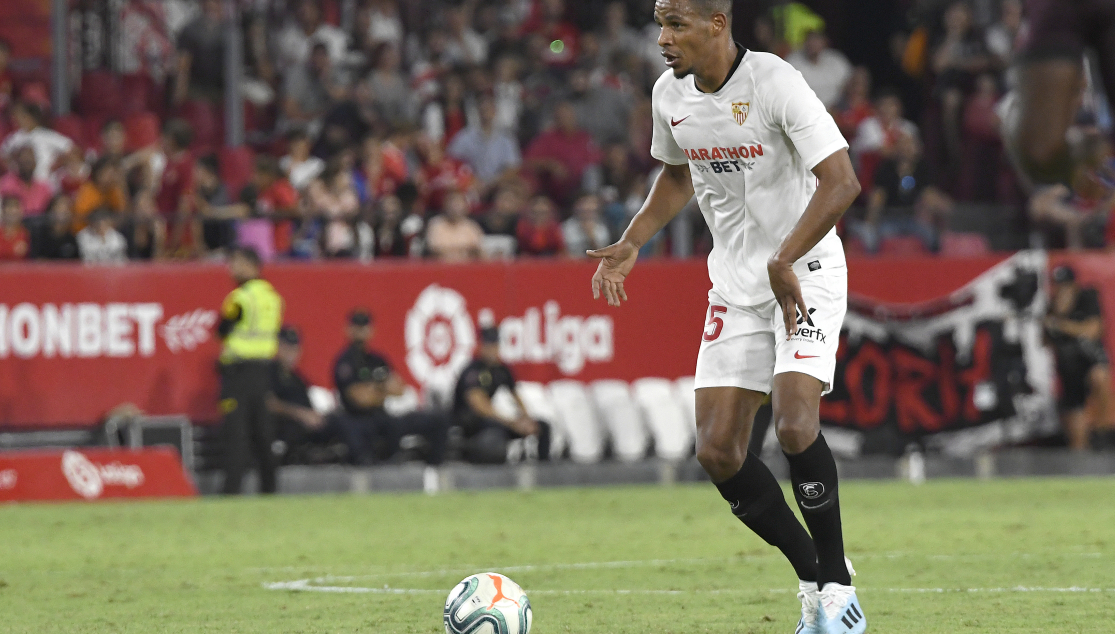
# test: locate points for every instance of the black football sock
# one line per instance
(758, 502)
(813, 473)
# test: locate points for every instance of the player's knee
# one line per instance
(796, 432)
(720, 460)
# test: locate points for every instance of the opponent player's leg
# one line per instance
(1049, 95)
(724, 416)
(1050, 85)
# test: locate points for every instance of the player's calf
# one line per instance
(756, 499)
(813, 474)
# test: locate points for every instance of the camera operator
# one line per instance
(1074, 330)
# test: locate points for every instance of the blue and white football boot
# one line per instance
(840, 611)
(810, 597)
(812, 616)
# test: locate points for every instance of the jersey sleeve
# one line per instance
(792, 105)
(662, 144)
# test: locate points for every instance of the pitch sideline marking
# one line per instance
(305, 585)
(589, 565)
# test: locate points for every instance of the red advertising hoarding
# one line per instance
(78, 341)
(92, 474)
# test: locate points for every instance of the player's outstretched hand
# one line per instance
(616, 262)
(787, 290)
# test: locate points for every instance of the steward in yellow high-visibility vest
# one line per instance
(251, 317)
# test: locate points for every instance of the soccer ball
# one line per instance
(487, 603)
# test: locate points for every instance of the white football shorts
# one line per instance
(745, 346)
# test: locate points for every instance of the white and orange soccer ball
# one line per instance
(487, 603)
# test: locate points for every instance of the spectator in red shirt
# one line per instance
(176, 186)
(440, 173)
(561, 156)
(270, 193)
(380, 171)
(20, 182)
(15, 243)
(539, 232)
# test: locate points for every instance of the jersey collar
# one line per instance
(740, 52)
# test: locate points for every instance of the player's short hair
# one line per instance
(709, 7)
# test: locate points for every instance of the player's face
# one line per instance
(684, 36)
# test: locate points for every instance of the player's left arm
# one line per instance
(837, 188)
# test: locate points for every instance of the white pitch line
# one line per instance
(590, 565)
(306, 585)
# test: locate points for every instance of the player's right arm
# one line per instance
(672, 189)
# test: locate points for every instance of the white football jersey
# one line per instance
(750, 148)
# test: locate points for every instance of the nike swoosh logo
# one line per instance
(675, 123)
(799, 355)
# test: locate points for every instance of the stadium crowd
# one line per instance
(491, 129)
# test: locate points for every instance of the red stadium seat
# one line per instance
(71, 127)
(964, 244)
(207, 124)
(903, 245)
(236, 169)
(141, 130)
(92, 125)
(99, 93)
(138, 93)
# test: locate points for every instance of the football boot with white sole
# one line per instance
(840, 611)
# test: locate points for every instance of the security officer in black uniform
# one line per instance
(298, 427)
(250, 319)
(486, 431)
(364, 380)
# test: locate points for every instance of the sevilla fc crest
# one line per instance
(740, 110)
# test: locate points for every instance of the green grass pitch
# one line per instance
(946, 557)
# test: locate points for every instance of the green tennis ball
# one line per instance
(557, 46)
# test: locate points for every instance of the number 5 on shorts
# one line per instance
(714, 321)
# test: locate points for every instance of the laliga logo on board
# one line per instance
(89, 330)
(441, 337)
(89, 479)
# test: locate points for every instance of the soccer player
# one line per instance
(743, 131)
(1051, 80)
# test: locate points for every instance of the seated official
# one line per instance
(364, 380)
(486, 431)
(302, 431)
